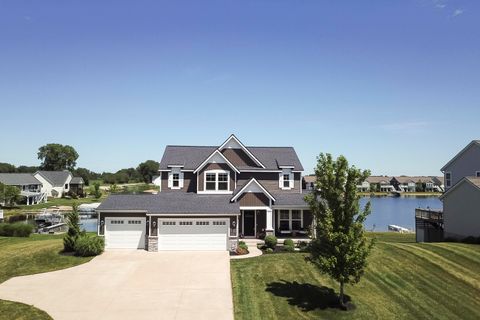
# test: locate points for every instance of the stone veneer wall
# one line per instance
(152, 244)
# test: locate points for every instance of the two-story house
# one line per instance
(461, 200)
(57, 184)
(30, 188)
(211, 196)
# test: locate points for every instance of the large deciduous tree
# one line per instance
(340, 248)
(148, 169)
(57, 157)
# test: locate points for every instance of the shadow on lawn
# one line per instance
(306, 296)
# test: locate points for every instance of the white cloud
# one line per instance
(457, 12)
(440, 4)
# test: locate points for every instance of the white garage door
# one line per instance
(125, 233)
(190, 234)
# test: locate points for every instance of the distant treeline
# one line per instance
(143, 173)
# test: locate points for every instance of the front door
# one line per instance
(249, 223)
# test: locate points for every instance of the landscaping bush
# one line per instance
(288, 248)
(87, 246)
(241, 251)
(470, 240)
(288, 242)
(269, 250)
(243, 245)
(271, 241)
(18, 229)
(17, 218)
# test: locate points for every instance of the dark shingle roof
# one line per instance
(290, 199)
(177, 203)
(77, 180)
(192, 156)
(56, 178)
(18, 179)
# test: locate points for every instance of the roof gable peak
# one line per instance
(234, 143)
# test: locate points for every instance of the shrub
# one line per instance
(241, 251)
(87, 246)
(269, 250)
(17, 218)
(450, 239)
(288, 242)
(271, 241)
(73, 222)
(15, 229)
(470, 240)
(243, 245)
(288, 248)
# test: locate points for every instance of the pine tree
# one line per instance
(73, 223)
(340, 247)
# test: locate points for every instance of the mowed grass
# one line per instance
(404, 280)
(24, 256)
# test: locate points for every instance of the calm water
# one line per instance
(399, 211)
(385, 210)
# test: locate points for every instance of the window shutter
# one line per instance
(280, 180)
(170, 177)
(181, 180)
(292, 180)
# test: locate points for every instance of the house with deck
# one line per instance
(57, 184)
(378, 184)
(461, 200)
(30, 187)
(210, 197)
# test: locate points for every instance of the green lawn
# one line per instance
(404, 280)
(24, 256)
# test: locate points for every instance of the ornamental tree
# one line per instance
(340, 247)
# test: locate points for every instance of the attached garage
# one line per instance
(125, 233)
(193, 234)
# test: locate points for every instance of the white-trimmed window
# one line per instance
(286, 179)
(217, 181)
(448, 179)
(175, 179)
(296, 219)
(290, 220)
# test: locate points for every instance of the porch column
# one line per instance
(269, 229)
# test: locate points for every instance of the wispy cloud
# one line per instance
(405, 126)
(440, 4)
(457, 12)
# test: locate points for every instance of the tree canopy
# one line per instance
(56, 157)
(340, 247)
(148, 169)
(9, 194)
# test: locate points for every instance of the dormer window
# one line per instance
(175, 180)
(217, 180)
(286, 181)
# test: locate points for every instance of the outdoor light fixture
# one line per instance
(234, 224)
(154, 224)
(102, 222)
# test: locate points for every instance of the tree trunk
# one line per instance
(340, 298)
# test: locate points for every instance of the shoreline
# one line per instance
(404, 194)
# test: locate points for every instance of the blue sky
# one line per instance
(392, 85)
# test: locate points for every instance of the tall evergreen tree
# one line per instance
(73, 223)
(340, 248)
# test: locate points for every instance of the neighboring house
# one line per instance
(461, 201)
(157, 180)
(309, 182)
(379, 184)
(77, 185)
(58, 183)
(30, 188)
(465, 164)
(211, 196)
(364, 187)
(404, 184)
(438, 184)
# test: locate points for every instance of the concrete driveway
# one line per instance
(132, 285)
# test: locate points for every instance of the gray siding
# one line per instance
(461, 208)
(189, 182)
(253, 200)
(465, 165)
(238, 158)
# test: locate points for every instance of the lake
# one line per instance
(396, 210)
(385, 210)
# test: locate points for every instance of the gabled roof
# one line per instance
(378, 179)
(174, 203)
(290, 199)
(474, 181)
(473, 143)
(77, 180)
(252, 181)
(18, 179)
(56, 178)
(215, 153)
(240, 144)
(192, 156)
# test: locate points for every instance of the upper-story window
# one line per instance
(217, 180)
(477, 174)
(448, 179)
(66, 186)
(175, 179)
(286, 181)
